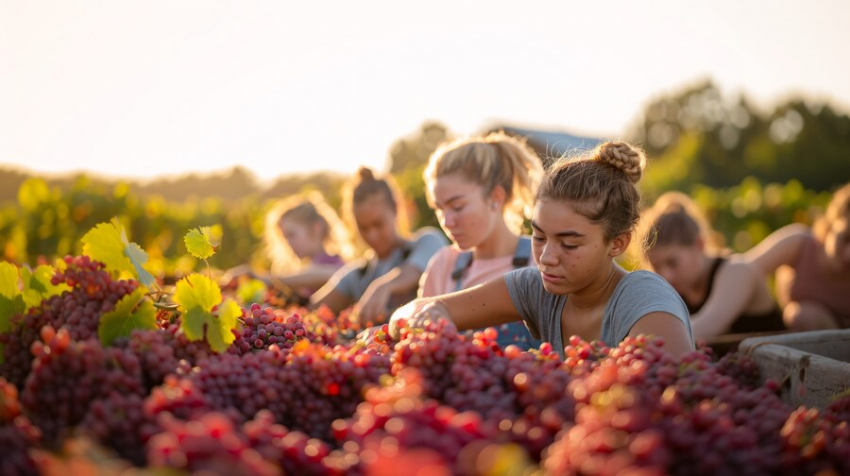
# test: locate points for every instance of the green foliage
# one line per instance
(11, 300)
(699, 136)
(132, 312)
(203, 242)
(196, 296)
(408, 159)
(37, 286)
(251, 291)
(107, 243)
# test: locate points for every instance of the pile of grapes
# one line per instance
(295, 394)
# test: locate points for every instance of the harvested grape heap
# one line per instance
(287, 391)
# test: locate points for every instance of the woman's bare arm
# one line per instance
(485, 305)
(782, 247)
(313, 276)
(732, 292)
(669, 327)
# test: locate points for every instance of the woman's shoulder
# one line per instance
(644, 283)
(644, 289)
(428, 233)
(428, 236)
(445, 256)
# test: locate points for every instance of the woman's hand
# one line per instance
(372, 306)
(367, 336)
(417, 314)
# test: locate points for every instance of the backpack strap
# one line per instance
(406, 250)
(523, 252)
(464, 260)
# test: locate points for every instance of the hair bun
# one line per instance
(623, 156)
(365, 174)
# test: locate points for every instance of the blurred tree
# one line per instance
(698, 136)
(407, 160)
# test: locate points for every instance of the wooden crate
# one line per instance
(811, 366)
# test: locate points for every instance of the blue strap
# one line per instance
(523, 252)
(464, 260)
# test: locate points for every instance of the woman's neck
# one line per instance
(597, 293)
(501, 242)
(398, 242)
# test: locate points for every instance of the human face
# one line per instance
(679, 265)
(376, 224)
(837, 244)
(302, 238)
(464, 213)
(570, 251)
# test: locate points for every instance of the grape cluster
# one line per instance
(305, 387)
(211, 444)
(178, 397)
(813, 444)
(396, 416)
(155, 351)
(17, 434)
(119, 422)
(17, 438)
(264, 327)
(293, 451)
(66, 377)
(93, 293)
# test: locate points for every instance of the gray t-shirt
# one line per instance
(353, 279)
(637, 294)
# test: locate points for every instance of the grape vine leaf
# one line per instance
(132, 312)
(196, 295)
(107, 243)
(37, 285)
(251, 291)
(203, 242)
(11, 299)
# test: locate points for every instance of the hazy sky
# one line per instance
(155, 87)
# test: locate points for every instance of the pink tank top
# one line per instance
(811, 284)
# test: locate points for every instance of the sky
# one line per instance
(161, 87)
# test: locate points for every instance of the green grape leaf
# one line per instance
(219, 334)
(133, 311)
(138, 257)
(196, 295)
(37, 286)
(203, 242)
(11, 300)
(251, 291)
(196, 291)
(108, 243)
(103, 243)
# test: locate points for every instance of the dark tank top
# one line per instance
(763, 322)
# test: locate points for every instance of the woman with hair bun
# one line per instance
(724, 293)
(584, 216)
(389, 275)
(482, 189)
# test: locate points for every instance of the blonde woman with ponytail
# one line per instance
(482, 189)
(306, 243)
(584, 216)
